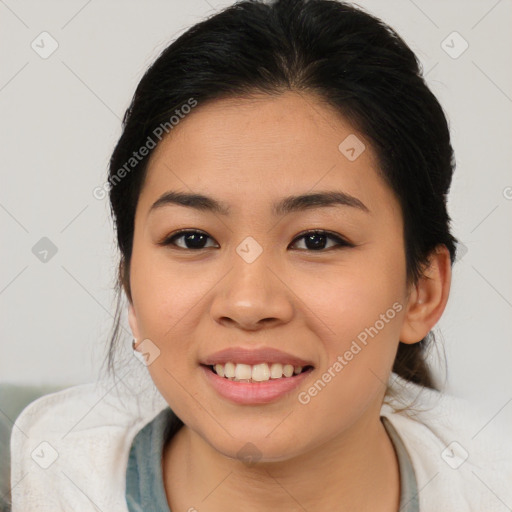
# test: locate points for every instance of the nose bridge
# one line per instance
(252, 292)
(251, 278)
(251, 268)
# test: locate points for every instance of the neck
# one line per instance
(358, 470)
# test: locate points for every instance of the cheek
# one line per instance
(358, 313)
(353, 296)
(163, 291)
(359, 355)
(163, 298)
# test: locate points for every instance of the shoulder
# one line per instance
(66, 446)
(462, 460)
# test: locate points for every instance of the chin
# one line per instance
(252, 449)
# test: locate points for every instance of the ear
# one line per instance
(124, 279)
(132, 320)
(428, 297)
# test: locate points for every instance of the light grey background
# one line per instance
(59, 121)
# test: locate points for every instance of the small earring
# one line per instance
(133, 344)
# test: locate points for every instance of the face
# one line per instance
(259, 277)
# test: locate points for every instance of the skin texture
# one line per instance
(332, 453)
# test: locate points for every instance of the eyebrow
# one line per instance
(282, 207)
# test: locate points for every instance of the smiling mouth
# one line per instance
(262, 372)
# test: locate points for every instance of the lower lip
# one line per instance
(255, 392)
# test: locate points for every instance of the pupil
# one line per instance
(320, 245)
(190, 240)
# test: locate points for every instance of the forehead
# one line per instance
(261, 148)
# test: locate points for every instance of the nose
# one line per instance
(252, 296)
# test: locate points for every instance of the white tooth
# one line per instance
(229, 370)
(276, 371)
(260, 372)
(243, 371)
(287, 370)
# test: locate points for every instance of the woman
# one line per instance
(279, 195)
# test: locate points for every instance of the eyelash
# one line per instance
(341, 242)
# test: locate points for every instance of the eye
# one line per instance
(195, 239)
(316, 240)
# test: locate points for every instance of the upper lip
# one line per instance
(254, 356)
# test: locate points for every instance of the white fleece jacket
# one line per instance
(70, 450)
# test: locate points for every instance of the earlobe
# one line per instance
(428, 298)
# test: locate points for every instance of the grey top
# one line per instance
(408, 487)
(144, 477)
